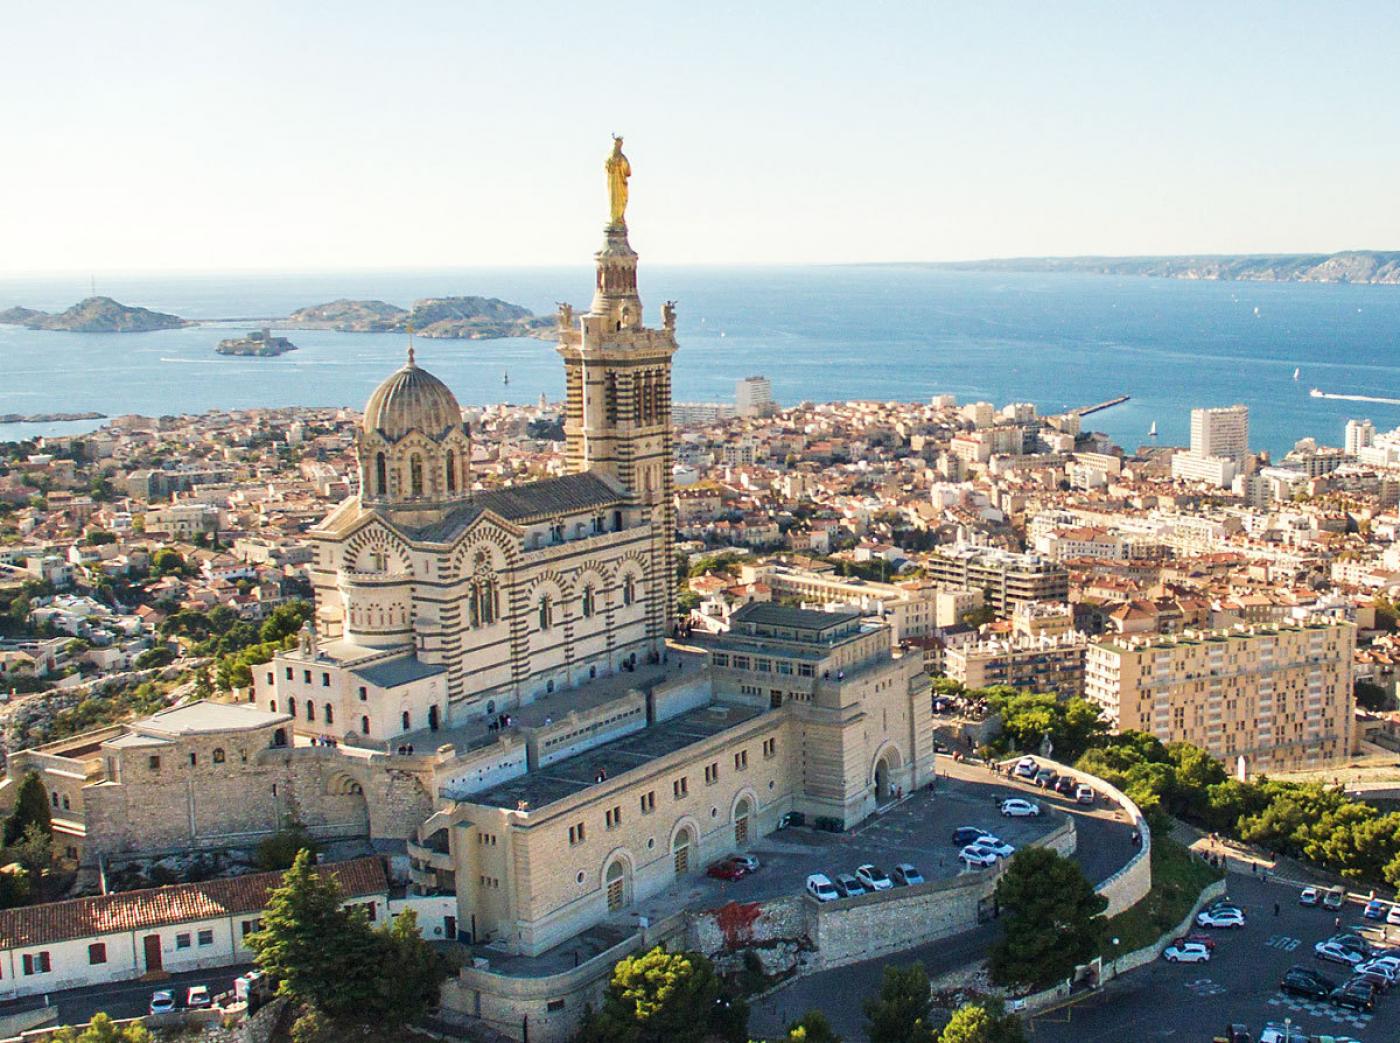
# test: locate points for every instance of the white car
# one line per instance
(1225, 916)
(820, 887)
(1334, 953)
(873, 877)
(749, 863)
(198, 997)
(1025, 768)
(993, 845)
(162, 1002)
(1276, 1033)
(1186, 952)
(977, 856)
(1018, 808)
(1385, 968)
(1393, 917)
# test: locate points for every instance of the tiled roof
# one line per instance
(572, 492)
(166, 906)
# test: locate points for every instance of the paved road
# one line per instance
(1104, 845)
(1188, 1003)
(127, 999)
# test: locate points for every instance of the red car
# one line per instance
(1200, 937)
(727, 870)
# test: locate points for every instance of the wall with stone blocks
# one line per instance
(739, 925)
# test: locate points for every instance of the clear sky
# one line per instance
(290, 134)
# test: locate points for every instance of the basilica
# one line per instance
(488, 692)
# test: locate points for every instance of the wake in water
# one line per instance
(1315, 393)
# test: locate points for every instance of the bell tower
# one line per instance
(618, 385)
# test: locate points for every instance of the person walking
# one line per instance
(1275, 908)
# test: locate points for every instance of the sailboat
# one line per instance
(1152, 431)
(505, 377)
(1296, 371)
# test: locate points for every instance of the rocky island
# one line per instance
(449, 318)
(258, 344)
(95, 315)
(1373, 267)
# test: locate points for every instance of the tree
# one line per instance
(31, 809)
(812, 1027)
(285, 621)
(102, 1029)
(280, 850)
(1371, 696)
(983, 1021)
(1053, 919)
(99, 537)
(899, 1014)
(666, 997)
(155, 657)
(167, 561)
(411, 974)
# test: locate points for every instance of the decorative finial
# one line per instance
(410, 343)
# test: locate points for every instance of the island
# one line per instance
(48, 418)
(448, 318)
(258, 344)
(1372, 267)
(95, 315)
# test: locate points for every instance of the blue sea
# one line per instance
(820, 333)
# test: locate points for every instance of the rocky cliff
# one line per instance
(94, 315)
(1355, 266)
(454, 318)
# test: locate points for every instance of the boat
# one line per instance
(1152, 431)
(1295, 373)
(505, 376)
(1316, 392)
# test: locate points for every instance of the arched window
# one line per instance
(310, 710)
(272, 706)
(364, 725)
(406, 720)
(219, 755)
(587, 601)
(292, 705)
(629, 590)
(381, 474)
(330, 714)
(546, 612)
(451, 471)
(415, 474)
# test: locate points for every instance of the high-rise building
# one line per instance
(1222, 432)
(753, 396)
(1361, 434)
(1005, 578)
(1276, 696)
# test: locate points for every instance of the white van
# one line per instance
(820, 887)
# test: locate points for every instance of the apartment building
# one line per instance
(1005, 577)
(1035, 664)
(1273, 697)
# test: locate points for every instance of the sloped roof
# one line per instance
(166, 906)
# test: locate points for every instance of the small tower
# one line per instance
(617, 420)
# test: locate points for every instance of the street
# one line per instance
(127, 999)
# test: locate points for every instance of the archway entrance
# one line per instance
(885, 767)
(615, 880)
(742, 810)
(680, 852)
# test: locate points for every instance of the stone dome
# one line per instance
(411, 399)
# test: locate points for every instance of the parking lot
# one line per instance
(1194, 1002)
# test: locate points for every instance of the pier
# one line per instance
(1099, 406)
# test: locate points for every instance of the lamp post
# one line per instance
(1114, 966)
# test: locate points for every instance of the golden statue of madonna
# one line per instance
(619, 170)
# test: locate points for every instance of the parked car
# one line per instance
(1393, 915)
(749, 863)
(906, 875)
(1065, 785)
(1018, 808)
(1356, 943)
(964, 835)
(1277, 1032)
(1334, 898)
(977, 856)
(1354, 995)
(1225, 917)
(1378, 979)
(1025, 768)
(1191, 952)
(994, 845)
(1084, 794)
(1390, 963)
(1045, 777)
(1375, 910)
(1309, 896)
(198, 997)
(1200, 937)
(727, 869)
(849, 886)
(873, 877)
(1333, 952)
(820, 887)
(162, 1002)
(1303, 981)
